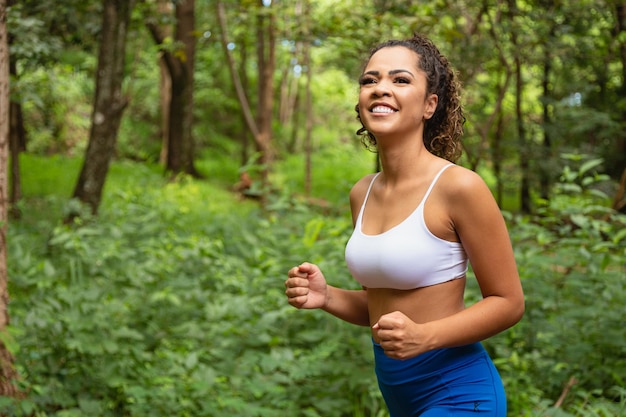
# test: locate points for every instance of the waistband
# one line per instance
(426, 364)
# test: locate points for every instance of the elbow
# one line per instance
(512, 311)
(517, 306)
(518, 310)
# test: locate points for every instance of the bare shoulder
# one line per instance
(357, 194)
(462, 185)
(359, 189)
(470, 202)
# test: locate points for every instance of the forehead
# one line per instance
(393, 58)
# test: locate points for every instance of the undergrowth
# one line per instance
(171, 302)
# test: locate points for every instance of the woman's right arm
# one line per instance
(307, 289)
(348, 305)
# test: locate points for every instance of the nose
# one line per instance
(382, 88)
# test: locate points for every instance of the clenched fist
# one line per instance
(306, 287)
(400, 337)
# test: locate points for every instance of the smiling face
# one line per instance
(394, 97)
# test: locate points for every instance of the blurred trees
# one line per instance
(178, 56)
(8, 374)
(545, 98)
(260, 126)
(541, 79)
(109, 102)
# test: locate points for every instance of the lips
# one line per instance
(382, 109)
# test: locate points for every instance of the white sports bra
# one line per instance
(405, 257)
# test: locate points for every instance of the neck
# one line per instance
(403, 156)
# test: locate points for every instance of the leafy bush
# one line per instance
(171, 303)
(571, 259)
(168, 306)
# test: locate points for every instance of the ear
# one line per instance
(430, 106)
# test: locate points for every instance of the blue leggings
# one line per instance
(459, 381)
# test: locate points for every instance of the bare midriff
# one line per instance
(421, 305)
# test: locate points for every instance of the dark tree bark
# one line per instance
(524, 154)
(617, 162)
(295, 123)
(164, 7)
(165, 84)
(16, 136)
(245, 136)
(497, 117)
(17, 144)
(180, 65)
(545, 175)
(8, 373)
(109, 103)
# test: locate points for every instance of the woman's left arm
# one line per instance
(480, 226)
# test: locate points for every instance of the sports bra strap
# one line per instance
(430, 187)
(434, 181)
(367, 194)
(405, 256)
(369, 188)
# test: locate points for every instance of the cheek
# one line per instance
(362, 96)
(361, 104)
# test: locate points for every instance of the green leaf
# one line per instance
(588, 166)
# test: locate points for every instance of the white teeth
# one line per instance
(382, 109)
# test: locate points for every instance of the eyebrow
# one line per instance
(392, 72)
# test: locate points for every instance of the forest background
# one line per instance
(169, 161)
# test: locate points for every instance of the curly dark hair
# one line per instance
(443, 131)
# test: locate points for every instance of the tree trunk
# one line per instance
(502, 87)
(308, 148)
(498, 157)
(180, 66)
(180, 156)
(245, 136)
(525, 205)
(266, 61)
(109, 103)
(261, 126)
(241, 95)
(164, 7)
(165, 84)
(16, 132)
(17, 144)
(289, 87)
(617, 163)
(7, 371)
(295, 123)
(545, 175)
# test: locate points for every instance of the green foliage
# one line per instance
(571, 259)
(56, 104)
(31, 42)
(334, 171)
(171, 303)
(139, 136)
(220, 163)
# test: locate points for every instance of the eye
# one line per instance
(367, 80)
(402, 80)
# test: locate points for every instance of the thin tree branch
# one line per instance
(241, 96)
(572, 381)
